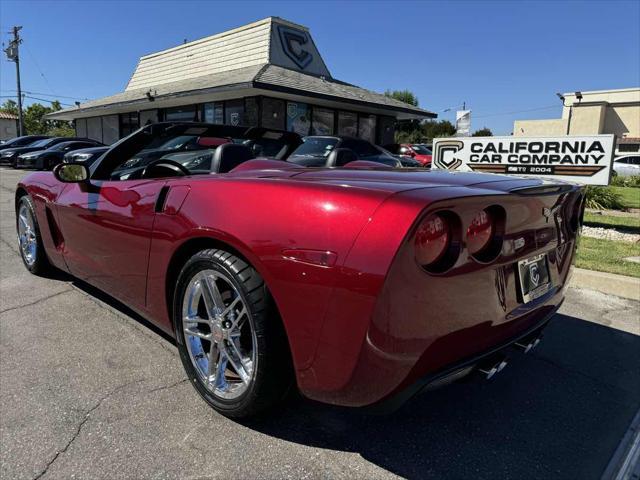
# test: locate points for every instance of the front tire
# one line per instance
(29, 238)
(231, 341)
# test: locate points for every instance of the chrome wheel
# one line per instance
(219, 334)
(27, 235)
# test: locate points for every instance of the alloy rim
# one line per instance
(219, 334)
(27, 235)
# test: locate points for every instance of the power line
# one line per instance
(33, 58)
(516, 111)
(52, 95)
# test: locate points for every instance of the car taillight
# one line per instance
(480, 232)
(432, 239)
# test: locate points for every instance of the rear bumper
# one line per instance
(459, 369)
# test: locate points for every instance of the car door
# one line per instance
(106, 228)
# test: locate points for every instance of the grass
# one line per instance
(630, 196)
(629, 224)
(606, 256)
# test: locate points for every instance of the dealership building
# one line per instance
(268, 73)
(591, 113)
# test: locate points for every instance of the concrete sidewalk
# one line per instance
(609, 283)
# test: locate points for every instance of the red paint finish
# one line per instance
(336, 248)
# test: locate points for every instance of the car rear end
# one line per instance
(476, 277)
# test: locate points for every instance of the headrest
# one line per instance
(228, 156)
(340, 157)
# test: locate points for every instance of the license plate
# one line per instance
(534, 277)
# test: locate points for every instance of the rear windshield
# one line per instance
(315, 147)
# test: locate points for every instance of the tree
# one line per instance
(9, 106)
(405, 96)
(437, 129)
(483, 132)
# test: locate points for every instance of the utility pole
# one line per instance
(14, 56)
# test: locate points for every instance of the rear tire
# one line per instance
(231, 341)
(30, 243)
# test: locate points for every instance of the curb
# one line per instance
(609, 283)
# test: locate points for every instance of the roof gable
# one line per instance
(271, 40)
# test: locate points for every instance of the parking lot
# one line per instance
(90, 390)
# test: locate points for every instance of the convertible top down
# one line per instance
(358, 285)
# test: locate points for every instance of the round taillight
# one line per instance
(432, 239)
(480, 232)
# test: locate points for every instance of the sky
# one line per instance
(504, 59)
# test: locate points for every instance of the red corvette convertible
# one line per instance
(360, 286)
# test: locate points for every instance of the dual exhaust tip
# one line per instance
(493, 365)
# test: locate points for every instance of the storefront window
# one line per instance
(273, 113)
(347, 124)
(81, 127)
(94, 128)
(181, 114)
(367, 128)
(322, 122)
(234, 112)
(148, 116)
(213, 113)
(251, 111)
(110, 129)
(129, 123)
(298, 119)
(387, 130)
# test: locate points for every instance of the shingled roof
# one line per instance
(254, 58)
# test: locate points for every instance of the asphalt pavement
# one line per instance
(90, 390)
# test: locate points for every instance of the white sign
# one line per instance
(463, 123)
(585, 160)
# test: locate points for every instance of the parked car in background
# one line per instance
(84, 155)
(418, 151)
(49, 158)
(627, 166)
(10, 155)
(23, 141)
(316, 151)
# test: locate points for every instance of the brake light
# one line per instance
(480, 232)
(432, 239)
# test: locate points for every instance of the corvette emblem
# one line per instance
(548, 212)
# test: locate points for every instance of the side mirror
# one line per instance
(71, 172)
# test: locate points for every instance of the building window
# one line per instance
(129, 123)
(386, 130)
(298, 118)
(628, 147)
(367, 128)
(323, 121)
(110, 129)
(188, 113)
(94, 128)
(347, 124)
(148, 116)
(273, 115)
(234, 112)
(251, 112)
(81, 127)
(213, 113)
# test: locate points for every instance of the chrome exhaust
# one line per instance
(528, 344)
(491, 368)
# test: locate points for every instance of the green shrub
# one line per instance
(632, 181)
(603, 198)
